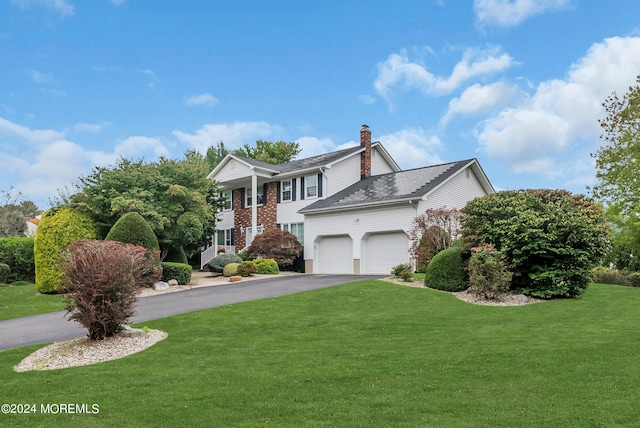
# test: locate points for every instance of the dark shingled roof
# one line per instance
(302, 164)
(401, 185)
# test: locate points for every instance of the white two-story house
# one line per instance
(351, 209)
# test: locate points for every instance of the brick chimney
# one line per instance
(365, 157)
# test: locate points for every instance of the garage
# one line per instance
(383, 250)
(334, 254)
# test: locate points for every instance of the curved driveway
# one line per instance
(55, 327)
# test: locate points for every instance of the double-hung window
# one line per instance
(259, 196)
(285, 190)
(296, 229)
(227, 201)
(311, 186)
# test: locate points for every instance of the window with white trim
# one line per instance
(259, 196)
(285, 190)
(225, 237)
(311, 186)
(296, 229)
(227, 201)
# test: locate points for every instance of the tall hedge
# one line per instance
(57, 229)
(550, 238)
(17, 253)
(132, 228)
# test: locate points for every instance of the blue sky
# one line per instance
(517, 84)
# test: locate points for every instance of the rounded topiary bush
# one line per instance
(231, 269)
(218, 263)
(132, 228)
(181, 272)
(266, 266)
(57, 229)
(247, 268)
(176, 255)
(446, 271)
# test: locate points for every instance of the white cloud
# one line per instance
(507, 13)
(233, 135)
(41, 78)
(413, 147)
(480, 99)
(63, 6)
(90, 128)
(206, 100)
(366, 99)
(138, 146)
(312, 146)
(540, 133)
(33, 136)
(153, 78)
(399, 71)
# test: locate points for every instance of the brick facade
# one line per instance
(267, 214)
(365, 157)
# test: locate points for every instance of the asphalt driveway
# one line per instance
(55, 327)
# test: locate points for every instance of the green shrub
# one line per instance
(446, 271)
(231, 269)
(176, 255)
(397, 270)
(489, 275)
(605, 275)
(18, 254)
(266, 266)
(57, 229)
(132, 228)
(247, 268)
(244, 256)
(181, 272)
(5, 272)
(550, 238)
(218, 263)
(634, 279)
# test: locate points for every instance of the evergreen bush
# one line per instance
(5, 272)
(132, 228)
(231, 269)
(57, 229)
(181, 272)
(266, 266)
(18, 254)
(218, 263)
(247, 268)
(446, 271)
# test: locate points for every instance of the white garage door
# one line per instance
(335, 254)
(382, 251)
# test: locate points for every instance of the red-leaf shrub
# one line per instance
(280, 245)
(100, 281)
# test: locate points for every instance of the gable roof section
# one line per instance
(391, 187)
(300, 165)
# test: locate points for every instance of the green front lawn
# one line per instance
(365, 354)
(24, 300)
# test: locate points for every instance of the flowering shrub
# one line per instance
(489, 275)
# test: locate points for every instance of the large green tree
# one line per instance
(215, 154)
(14, 213)
(174, 196)
(618, 160)
(270, 152)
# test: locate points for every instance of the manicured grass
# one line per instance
(23, 300)
(366, 354)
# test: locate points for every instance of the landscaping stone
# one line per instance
(235, 278)
(173, 282)
(128, 331)
(160, 286)
(520, 298)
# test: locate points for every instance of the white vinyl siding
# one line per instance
(455, 193)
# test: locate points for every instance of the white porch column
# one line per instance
(254, 206)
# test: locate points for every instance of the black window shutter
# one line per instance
(264, 194)
(320, 185)
(242, 198)
(301, 188)
(293, 189)
(278, 191)
(278, 225)
(233, 240)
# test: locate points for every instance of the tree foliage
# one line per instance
(280, 245)
(215, 154)
(625, 241)
(174, 196)
(132, 228)
(618, 160)
(58, 229)
(270, 152)
(433, 231)
(100, 281)
(14, 213)
(550, 238)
